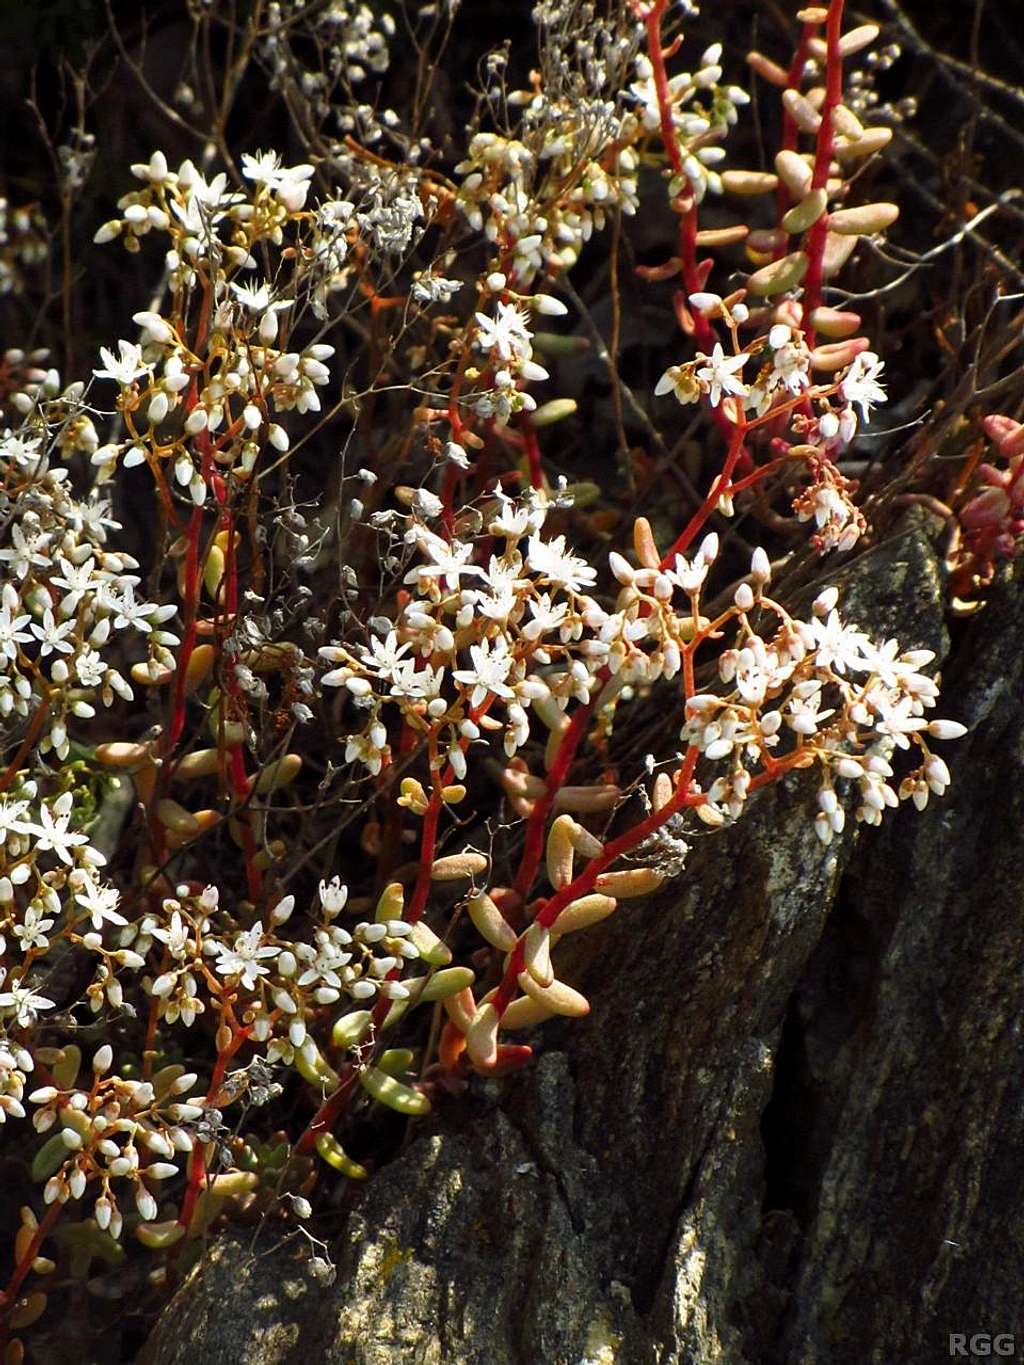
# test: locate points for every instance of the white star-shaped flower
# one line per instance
(720, 374)
(126, 368)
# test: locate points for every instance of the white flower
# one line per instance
(246, 958)
(90, 668)
(51, 634)
(24, 1004)
(836, 645)
(175, 936)
(546, 617)
(31, 932)
(508, 334)
(100, 902)
(383, 656)
(125, 370)
(680, 381)
(52, 831)
(12, 628)
(289, 183)
(720, 374)
(790, 363)
(860, 384)
(450, 561)
(333, 897)
(422, 684)
(552, 561)
(11, 821)
(255, 297)
(490, 669)
(78, 579)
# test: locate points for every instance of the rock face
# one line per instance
(790, 1131)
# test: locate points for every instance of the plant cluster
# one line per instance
(366, 603)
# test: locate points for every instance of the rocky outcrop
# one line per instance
(789, 1131)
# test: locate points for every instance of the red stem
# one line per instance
(7, 1296)
(533, 849)
(790, 131)
(702, 330)
(580, 885)
(197, 1161)
(722, 485)
(815, 242)
(532, 448)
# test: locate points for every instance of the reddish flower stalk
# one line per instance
(722, 485)
(8, 1295)
(197, 1161)
(584, 883)
(236, 754)
(428, 848)
(330, 1111)
(687, 201)
(532, 448)
(815, 246)
(533, 849)
(25, 747)
(189, 608)
(790, 131)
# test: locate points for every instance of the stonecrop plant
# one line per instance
(315, 655)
